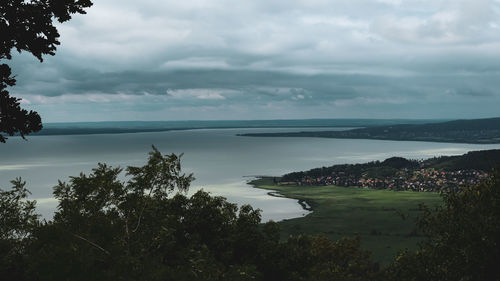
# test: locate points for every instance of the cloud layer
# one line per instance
(164, 60)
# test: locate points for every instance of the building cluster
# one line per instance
(423, 179)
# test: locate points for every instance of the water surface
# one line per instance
(221, 161)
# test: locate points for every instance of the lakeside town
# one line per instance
(447, 173)
(423, 179)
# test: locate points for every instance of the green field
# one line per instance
(376, 215)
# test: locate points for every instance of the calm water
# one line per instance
(221, 162)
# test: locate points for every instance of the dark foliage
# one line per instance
(463, 238)
(14, 119)
(484, 160)
(28, 26)
(17, 222)
(106, 229)
(374, 168)
(398, 163)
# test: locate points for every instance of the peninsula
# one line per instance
(379, 200)
(479, 131)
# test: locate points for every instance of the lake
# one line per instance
(221, 161)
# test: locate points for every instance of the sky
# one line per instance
(261, 59)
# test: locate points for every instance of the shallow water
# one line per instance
(220, 160)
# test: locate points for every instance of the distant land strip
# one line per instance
(123, 127)
(477, 131)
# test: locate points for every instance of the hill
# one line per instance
(396, 173)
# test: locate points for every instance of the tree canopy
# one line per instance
(146, 229)
(28, 26)
(463, 238)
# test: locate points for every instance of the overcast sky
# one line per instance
(261, 59)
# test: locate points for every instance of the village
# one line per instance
(424, 179)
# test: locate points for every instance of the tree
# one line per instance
(463, 238)
(17, 221)
(105, 229)
(108, 229)
(28, 26)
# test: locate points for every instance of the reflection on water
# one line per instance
(219, 159)
(275, 208)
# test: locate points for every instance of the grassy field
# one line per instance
(376, 215)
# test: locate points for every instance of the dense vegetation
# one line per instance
(374, 168)
(463, 238)
(106, 229)
(458, 131)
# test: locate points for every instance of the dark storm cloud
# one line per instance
(260, 59)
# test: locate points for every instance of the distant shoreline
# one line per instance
(313, 135)
(124, 127)
(476, 131)
(100, 131)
